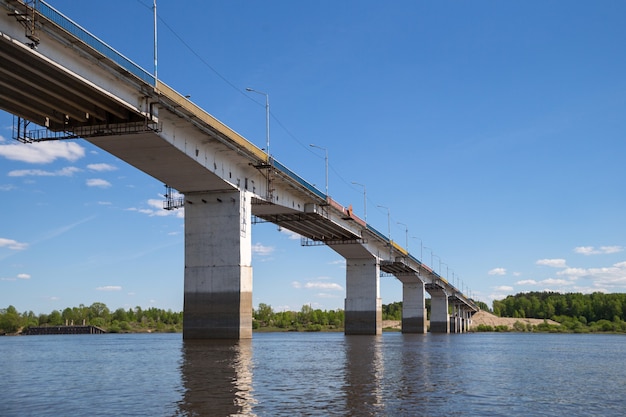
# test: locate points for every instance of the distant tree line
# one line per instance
(575, 311)
(307, 319)
(97, 314)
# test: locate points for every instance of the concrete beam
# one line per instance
(218, 266)
(363, 305)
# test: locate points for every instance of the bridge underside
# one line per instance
(74, 90)
(40, 90)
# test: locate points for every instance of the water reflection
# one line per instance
(364, 373)
(217, 378)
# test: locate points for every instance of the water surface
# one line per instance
(314, 374)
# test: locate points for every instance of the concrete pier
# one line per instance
(120, 108)
(439, 317)
(218, 270)
(413, 306)
(363, 305)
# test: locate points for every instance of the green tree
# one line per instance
(55, 318)
(264, 314)
(99, 310)
(9, 320)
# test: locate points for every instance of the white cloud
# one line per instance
(109, 288)
(12, 244)
(261, 250)
(96, 182)
(23, 276)
(43, 152)
(602, 250)
(158, 210)
(65, 172)
(101, 167)
(327, 295)
(497, 271)
(607, 279)
(296, 284)
(323, 286)
(552, 281)
(526, 282)
(504, 288)
(289, 233)
(498, 296)
(555, 263)
(573, 273)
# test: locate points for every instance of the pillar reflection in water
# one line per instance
(217, 378)
(364, 374)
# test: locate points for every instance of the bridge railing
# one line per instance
(298, 179)
(68, 25)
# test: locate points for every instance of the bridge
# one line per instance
(61, 82)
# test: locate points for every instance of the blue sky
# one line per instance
(493, 131)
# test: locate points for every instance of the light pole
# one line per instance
(406, 232)
(388, 223)
(156, 73)
(326, 163)
(431, 256)
(421, 247)
(364, 200)
(438, 257)
(267, 120)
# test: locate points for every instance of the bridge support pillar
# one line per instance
(218, 266)
(439, 317)
(453, 323)
(468, 320)
(455, 320)
(363, 305)
(463, 319)
(413, 307)
(462, 328)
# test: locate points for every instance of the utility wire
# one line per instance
(243, 93)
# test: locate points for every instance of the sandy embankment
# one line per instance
(482, 317)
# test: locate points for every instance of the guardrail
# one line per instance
(298, 179)
(74, 29)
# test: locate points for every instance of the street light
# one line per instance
(438, 257)
(388, 222)
(406, 232)
(431, 256)
(326, 163)
(364, 200)
(267, 120)
(421, 247)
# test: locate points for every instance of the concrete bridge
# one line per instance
(63, 83)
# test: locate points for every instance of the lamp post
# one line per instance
(388, 223)
(267, 120)
(438, 257)
(364, 200)
(326, 163)
(431, 256)
(406, 232)
(421, 247)
(156, 73)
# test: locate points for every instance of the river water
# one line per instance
(314, 374)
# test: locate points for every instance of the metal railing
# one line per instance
(74, 29)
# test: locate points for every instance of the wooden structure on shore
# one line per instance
(45, 330)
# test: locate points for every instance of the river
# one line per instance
(314, 374)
